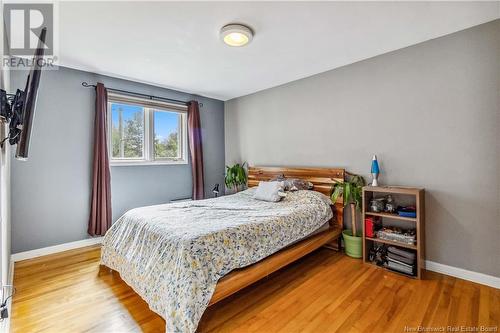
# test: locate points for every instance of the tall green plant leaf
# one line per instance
(351, 189)
(338, 188)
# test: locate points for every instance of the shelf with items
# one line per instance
(412, 276)
(393, 189)
(389, 242)
(398, 231)
(392, 216)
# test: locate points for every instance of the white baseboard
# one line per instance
(461, 273)
(55, 249)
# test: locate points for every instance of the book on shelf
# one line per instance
(400, 267)
(399, 258)
(401, 252)
(400, 263)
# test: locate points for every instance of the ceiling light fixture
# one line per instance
(236, 34)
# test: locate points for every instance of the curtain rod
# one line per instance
(151, 97)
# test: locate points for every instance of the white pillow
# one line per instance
(269, 191)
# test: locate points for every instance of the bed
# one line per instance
(183, 257)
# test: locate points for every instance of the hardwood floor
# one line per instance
(323, 292)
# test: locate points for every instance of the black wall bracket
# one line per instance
(11, 111)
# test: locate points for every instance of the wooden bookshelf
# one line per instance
(414, 195)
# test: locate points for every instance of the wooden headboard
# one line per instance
(322, 179)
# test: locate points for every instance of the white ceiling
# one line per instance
(176, 44)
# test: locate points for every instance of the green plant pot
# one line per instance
(353, 244)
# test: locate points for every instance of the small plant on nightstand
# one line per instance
(351, 190)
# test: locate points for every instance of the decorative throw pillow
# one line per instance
(299, 184)
(294, 184)
(269, 191)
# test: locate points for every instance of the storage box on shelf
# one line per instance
(403, 252)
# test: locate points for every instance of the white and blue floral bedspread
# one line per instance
(172, 255)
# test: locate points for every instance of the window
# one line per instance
(127, 131)
(146, 132)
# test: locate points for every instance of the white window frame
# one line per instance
(150, 107)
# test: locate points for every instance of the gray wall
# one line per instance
(51, 191)
(430, 112)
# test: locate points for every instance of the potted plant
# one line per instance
(235, 176)
(352, 192)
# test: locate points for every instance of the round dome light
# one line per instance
(236, 35)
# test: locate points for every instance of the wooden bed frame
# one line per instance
(323, 179)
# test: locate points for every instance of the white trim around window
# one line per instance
(149, 107)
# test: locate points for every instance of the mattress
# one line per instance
(172, 255)
(324, 227)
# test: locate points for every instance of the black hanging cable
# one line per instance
(3, 141)
(151, 97)
(4, 302)
(8, 137)
(4, 313)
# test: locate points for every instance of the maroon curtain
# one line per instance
(100, 211)
(195, 150)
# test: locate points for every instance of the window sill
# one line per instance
(144, 163)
